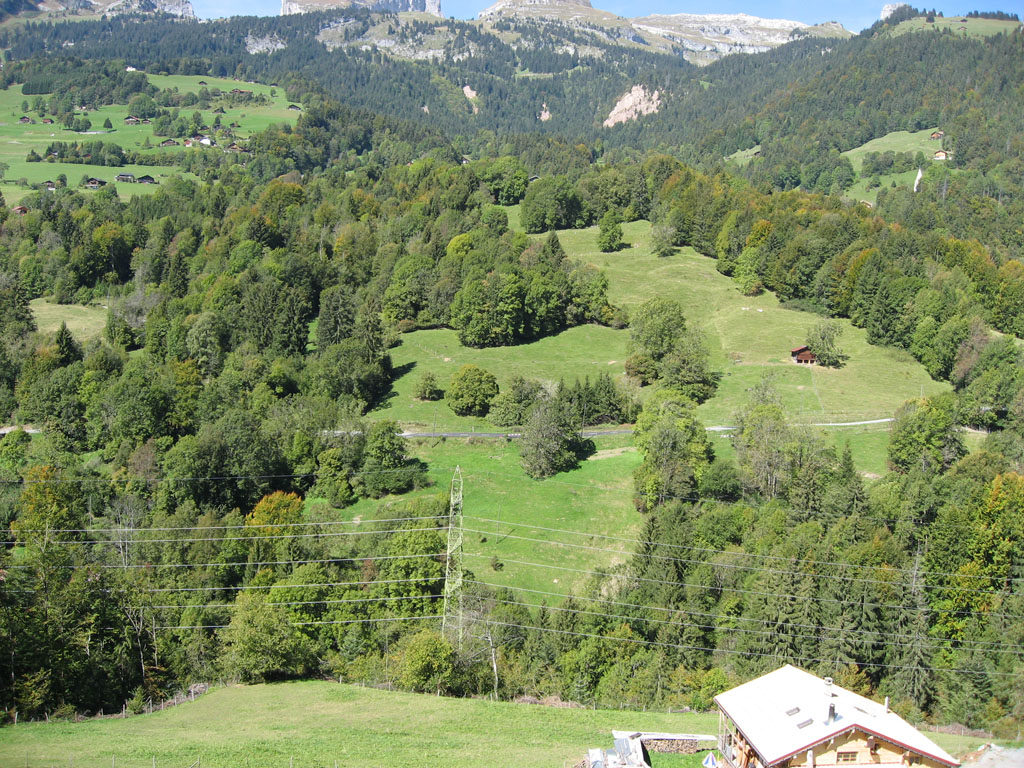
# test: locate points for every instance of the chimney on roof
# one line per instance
(887, 705)
(828, 686)
(831, 714)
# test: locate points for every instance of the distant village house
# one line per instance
(147, 179)
(792, 719)
(94, 183)
(125, 178)
(803, 355)
(132, 120)
(21, 210)
(937, 134)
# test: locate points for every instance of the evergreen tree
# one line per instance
(68, 350)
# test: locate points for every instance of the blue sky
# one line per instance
(855, 15)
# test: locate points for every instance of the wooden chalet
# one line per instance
(941, 154)
(21, 210)
(47, 121)
(94, 183)
(169, 143)
(792, 719)
(132, 120)
(25, 120)
(146, 179)
(295, 107)
(935, 135)
(125, 178)
(49, 185)
(803, 356)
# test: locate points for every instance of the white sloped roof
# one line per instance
(786, 712)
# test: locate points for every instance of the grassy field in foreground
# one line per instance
(317, 723)
(84, 322)
(308, 724)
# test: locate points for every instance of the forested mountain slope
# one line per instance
(802, 104)
(184, 511)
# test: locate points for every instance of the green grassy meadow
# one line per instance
(743, 156)
(958, 25)
(507, 513)
(16, 140)
(749, 337)
(897, 141)
(84, 322)
(321, 723)
(752, 336)
(578, 352)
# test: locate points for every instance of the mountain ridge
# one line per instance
(699, 38)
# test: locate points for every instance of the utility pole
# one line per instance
(451, 621)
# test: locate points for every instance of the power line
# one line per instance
(744, 567)
(695, 499)
(1000, 648)
(245, 564)
(711, 550)
(254, 537)
(735, 652)
(968, 645)
(196, 479)
(247, 587)
(312, 623)
(298, 602)
(236, 527)
(745, 591)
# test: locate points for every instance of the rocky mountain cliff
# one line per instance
(700, 38)
(432, 7)
(180, 8)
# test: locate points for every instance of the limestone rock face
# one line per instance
(180, 8)
(635, 102)
(301, 6)
(889, 9)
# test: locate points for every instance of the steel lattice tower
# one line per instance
(451, 622)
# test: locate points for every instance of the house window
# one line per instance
(846, 757)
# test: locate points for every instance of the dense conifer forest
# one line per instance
(160, 528)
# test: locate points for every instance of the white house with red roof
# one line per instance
(792, 719)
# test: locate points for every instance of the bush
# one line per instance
(609, 237)
(427, 388)
(471, 391)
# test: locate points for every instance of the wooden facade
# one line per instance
(856, 747)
